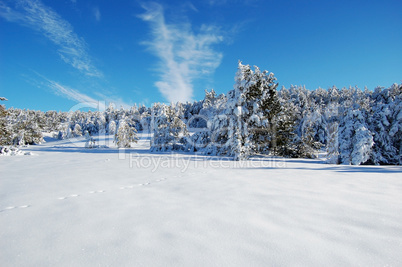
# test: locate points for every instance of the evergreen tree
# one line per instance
(199, 141)
(218, 127)
(77, 130)
(90, 141)
(385, 123)
(252, 107)
(5, 134)
(112, 127)
(355, 140)
(169, 131)
(333, 143)
(25, 130)
(125, 134)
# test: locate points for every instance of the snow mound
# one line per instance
(12, 151)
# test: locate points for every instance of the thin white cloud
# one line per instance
(184, 56)
(72, 94)
(117, 101)
(83, 99)
(75, 95)
(224, 2)
(97, 13)
(34, 14)
(217, 2)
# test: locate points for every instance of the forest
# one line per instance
(351, 125)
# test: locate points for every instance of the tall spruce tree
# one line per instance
(253, 105)
(5, 134)
(169, 130)
(125, 135)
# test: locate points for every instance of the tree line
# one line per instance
(352, 126)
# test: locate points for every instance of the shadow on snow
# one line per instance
(68, 146)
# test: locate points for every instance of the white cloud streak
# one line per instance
(75, 95)
(34, 14)
(97, 13)
(72, 94)
(184, 56)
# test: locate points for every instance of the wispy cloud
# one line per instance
(117, 101)
(184, 56)
(34, 14)
(97, 13)
(224, 2)
(72, 94)
(84, 100)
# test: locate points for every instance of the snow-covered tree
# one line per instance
(386, 124)
(218, 128)
(5, 134)
(199, 140)
(333, 143)
(355, 140)
(252, 107)
(355, 126)
(25, 130)
(209, 99)
(169, 131)
(125, 134)
(77, 130)
(112, 127)
(90, 141)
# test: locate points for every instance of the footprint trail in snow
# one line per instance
(9, 208)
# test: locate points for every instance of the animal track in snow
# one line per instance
(142, 184)
(129, 186)
(14, 207)
(99, 191)
(90, 192)
(70, 196)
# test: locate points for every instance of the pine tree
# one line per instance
(252, 107)
(112, 127)
(310, 132)
(218, 127)
(386, 124)
(362, 143)
(355, 140)
(25, 130)
(209, 99)
(273, 130)
(5, 134)
(332, 142)
(77, 130)
(125, 134)
(69, 132)
(90, 141)
(169, 131)
(199, 141)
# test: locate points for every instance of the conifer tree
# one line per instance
(125, 134)
(355, 140)
(5, 134)
(90, 141)
(77, 130)
(112, 127)
(252, 107)
(169, 131)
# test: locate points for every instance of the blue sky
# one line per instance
(55, 55)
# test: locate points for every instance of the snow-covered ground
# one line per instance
(70, 206)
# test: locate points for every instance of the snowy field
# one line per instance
(70, 206)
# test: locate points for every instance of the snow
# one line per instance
(71, 206)
(12, 151)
